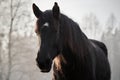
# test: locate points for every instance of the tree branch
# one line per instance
(17, 8)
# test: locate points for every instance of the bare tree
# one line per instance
(17, 14)
(91, 25)
(14, 16)
(9, 43)
(111, 23)
(111, 39)
(0, 59)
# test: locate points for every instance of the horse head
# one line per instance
(47, 29)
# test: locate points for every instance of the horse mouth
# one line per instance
(45, 70)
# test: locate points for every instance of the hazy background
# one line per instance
(98, 19)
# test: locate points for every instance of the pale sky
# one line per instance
(77, 9)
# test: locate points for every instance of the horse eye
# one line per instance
(46, 24)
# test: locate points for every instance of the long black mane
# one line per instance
(78, 52)
(73, 37)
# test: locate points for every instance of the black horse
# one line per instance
(75, 56)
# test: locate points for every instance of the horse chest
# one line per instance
(65, 71)
(61, 69)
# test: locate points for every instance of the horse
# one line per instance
(63, 44)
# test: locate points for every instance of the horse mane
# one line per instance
(75, 41)
(74, 37)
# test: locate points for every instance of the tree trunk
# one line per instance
(10, 42)
(0, 61)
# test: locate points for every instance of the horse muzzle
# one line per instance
(44, 66)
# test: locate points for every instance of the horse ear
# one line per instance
(37, 12)
(56, 11)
